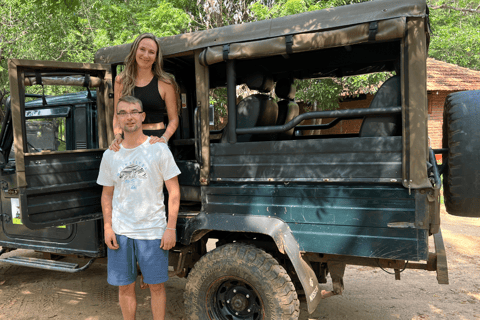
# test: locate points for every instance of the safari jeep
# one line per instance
(283, 208)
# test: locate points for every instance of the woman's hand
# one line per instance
(155, 139)
(115, 146)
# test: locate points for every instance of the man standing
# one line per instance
(135, 224)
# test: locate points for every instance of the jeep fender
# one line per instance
(278, 230)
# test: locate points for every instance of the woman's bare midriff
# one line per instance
(153, 126)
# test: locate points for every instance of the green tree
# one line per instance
(455, 32)
(323, 93)
(75, 30)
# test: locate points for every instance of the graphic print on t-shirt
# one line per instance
(132, 174)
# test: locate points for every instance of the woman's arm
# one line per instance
(118, 86)
(117, 130)
(170, 97)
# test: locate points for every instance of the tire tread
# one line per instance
(259, 264)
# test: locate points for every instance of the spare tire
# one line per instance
(461, 135)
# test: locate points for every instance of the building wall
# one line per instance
(345, 126)
(436, 100)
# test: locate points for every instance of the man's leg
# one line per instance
(159, 301)
(122, 272)
(128, 301)
(153, 262)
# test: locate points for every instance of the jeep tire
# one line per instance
(461, 135)
(239, 281)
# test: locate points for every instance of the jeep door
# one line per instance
(58, 186)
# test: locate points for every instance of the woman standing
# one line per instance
(145, 79)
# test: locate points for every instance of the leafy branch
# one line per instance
(444, 6)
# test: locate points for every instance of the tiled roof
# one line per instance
(443, 76)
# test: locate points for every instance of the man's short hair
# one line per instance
(131, 100)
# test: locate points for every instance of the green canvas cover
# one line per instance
(307, 22)
(406, 21)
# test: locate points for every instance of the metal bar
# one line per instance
(343, 114)
(436, 172)
(375, 262)
(198, 140)
(64, 81)
(44, 261)
(369, 180)
(202, 80)
(441, 150)
(322, 126)
(441, 168)
(232, 101)
(47, 266)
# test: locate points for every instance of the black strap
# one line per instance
(226, 51)
(86, 84)
(373, 29)
(289, 43)
(205, 57)
(38, 79)
(86, 80)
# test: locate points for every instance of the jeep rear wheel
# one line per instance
(238, 281)
(461, 135)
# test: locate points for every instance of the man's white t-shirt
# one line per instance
(137, 175)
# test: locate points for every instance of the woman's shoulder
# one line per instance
(163, 83)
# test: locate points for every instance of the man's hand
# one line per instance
(111, 239)
(168, 240)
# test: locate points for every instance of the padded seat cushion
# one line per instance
(388, 95)
(257, 110)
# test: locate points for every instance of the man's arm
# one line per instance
(110, 239)
(170, 237)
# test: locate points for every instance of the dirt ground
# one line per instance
(370, 293)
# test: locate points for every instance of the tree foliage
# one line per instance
(323, 93)
(456, 32)
(73, 30)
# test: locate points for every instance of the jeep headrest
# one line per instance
(259, 81)
(285, 89)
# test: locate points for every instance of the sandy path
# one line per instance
(27, 293)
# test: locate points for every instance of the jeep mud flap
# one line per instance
(275, 228)
(442, 266)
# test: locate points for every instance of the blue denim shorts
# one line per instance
(122, 263)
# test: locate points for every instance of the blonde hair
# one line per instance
(130, 71)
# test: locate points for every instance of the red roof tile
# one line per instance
(450, 77)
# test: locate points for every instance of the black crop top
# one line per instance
(153, 104)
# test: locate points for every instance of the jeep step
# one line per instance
(47, 264)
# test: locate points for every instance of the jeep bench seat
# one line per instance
(256, 110)
(388, 95)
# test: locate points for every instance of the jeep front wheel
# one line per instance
(238, 281)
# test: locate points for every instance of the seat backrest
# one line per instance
(287, 108)
(256, 110)
(388, 95)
